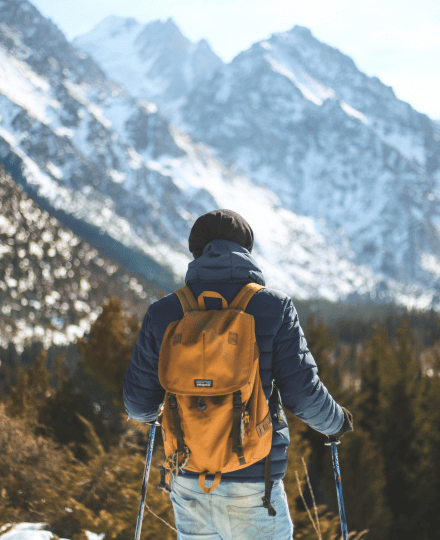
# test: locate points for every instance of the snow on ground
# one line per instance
(34, 531)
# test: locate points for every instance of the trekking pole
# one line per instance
(140, 517)
(333, 442)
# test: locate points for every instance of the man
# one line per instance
(221, 242)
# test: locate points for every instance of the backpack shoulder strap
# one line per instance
(186, 297)
(243, 297)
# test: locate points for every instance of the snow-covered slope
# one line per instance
(114, 171)
(297, 116)
(160, 64)
(52, 283)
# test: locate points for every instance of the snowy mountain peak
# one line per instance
(161, 64)
(112, 26)
(299, 31)
(167, 30)
(297, 116)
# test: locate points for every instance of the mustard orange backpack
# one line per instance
(216, 417)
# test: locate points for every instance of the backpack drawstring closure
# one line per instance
(179, 459)
(237, 447)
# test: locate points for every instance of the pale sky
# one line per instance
(396, 40)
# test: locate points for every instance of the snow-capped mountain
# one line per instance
(114, 171)
(159, 63)
(78, 142)
(299, 117)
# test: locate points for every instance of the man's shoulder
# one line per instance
(270, 302)
(166, 308)
(273, 297)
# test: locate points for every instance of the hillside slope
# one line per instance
(52, 283)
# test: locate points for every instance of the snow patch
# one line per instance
(79, 93)
(64, 132)
(151, 108)
(34, 531)
(26, 531)
(117, 176)
(94, 536)
(309, 95)
(54, 170)
(311, 89)
(22, 86)
(431, 264)
(135, 160)
(353, 112)
(265, 45)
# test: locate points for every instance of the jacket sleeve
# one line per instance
(143, 394)
(296, 376)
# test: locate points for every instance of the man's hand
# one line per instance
(346, 426)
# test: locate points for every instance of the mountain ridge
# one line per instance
(115, 165)
(136, 52)
(350, 156)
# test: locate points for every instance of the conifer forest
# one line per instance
(70, 458)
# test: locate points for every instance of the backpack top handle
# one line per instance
(240, 302)
(210, 294)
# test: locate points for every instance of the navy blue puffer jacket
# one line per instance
(225, 267)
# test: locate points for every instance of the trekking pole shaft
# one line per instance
(140, 517)
(337, 473)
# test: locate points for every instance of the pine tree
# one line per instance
(386, 409)
(425, 471)
(32, 389)
(362, 465)
(108, 349)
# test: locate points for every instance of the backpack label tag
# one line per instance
(233, 338)
(203, 383)
(264, 426)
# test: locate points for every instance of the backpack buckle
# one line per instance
(267, 504)
(172, 400)
(163, 484)
(236, 400)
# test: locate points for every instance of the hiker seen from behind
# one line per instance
(219, 357)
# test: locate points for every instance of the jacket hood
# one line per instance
(223, 260)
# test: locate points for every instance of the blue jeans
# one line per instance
(234, 511)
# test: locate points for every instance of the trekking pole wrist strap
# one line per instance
(332, 440)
